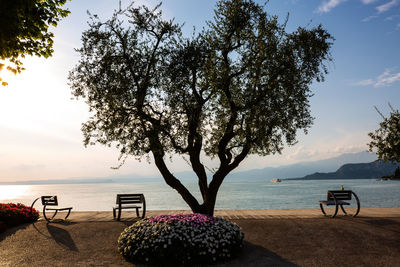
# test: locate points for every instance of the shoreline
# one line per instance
(81, 216)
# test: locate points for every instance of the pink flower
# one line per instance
(194, 218)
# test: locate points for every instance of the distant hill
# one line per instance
(303, 168)
(293, 170)
(372, 170)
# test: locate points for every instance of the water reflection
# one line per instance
(9, 192)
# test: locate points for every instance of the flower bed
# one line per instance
(179, 238)
(15, 214)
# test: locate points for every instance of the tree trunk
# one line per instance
(208, 205)
(170, 179)
(209, 193)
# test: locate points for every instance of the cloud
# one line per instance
(387, 78)
(367, 2)
(345, 149)
(386, 7)
(29, 167)
(365, 82)
(327, 6)
(369, 18)
(390, 18)
(381, 9)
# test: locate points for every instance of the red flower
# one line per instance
(15, 214)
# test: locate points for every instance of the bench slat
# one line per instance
(339, 194)
(130, 201)
(49, 200)
(332, 202)
(70, 208)
(129, 198)
(128, 207)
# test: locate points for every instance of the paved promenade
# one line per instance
(89, 216)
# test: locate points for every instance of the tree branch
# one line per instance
(169, 178)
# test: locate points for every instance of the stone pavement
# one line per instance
(89, 216)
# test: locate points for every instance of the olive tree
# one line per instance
(385, 141)
(241, 86)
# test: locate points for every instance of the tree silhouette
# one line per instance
(25, 30)
(385, 141)
(241, 86)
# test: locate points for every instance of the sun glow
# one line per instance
(6, 76)
(8, 192)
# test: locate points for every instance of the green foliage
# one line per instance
(241, 86)
(386, 140)
(180, 239)
(25, 30)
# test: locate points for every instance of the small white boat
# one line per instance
(276, 180)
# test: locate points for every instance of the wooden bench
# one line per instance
(339, 198)
(125, 201)
(51, 201)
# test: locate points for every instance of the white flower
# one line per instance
(142, 237)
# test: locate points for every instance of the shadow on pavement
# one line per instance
(12, 230)
(257, 256)
(251, 256)
(61, 236)
(381, 223)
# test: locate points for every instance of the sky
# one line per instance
(40, 136)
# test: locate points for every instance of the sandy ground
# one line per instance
(343, 241)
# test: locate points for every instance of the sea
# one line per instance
(237, 194)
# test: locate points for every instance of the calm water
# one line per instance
(232, 195)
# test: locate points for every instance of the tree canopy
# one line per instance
(239, 87)
(385, 141)
(24, 30)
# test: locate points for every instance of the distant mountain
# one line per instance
(304, 168)
(292, 170)
(375, 169)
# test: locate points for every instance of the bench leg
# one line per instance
(336, 210)
(143, 213)
(137, 212)
(357, 209)
(69, 211)
(336, 205)
(341, 207)
(44, 214)
(358, 204)
(33, 203)
(54, 215)
(114, 215)
(323, 211)
(119, 214)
